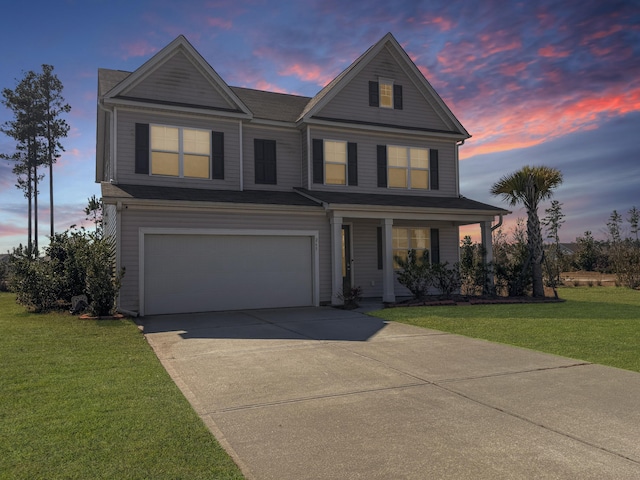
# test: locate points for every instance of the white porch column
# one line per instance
(336, 260)
(487, 243)
(388, 292)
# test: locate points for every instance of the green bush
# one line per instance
(76, 262)
(445, 279)
(415, 273)
(33, 280)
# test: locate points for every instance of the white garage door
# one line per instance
(199, 273)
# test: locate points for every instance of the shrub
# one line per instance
(76, 263)
(351, 296)
(447, 280)
(102, 280)
(33, 280)
(415, 273)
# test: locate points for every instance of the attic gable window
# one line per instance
(180, 152)
(385, 93)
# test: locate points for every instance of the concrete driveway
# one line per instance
(321, 393)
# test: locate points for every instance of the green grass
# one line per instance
(598, 325)
(85, 399)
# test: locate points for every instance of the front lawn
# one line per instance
(598, 325)
(89, 399)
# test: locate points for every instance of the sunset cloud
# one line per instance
(140, 48)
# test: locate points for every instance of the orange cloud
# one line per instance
(526, 125)
(551, 52)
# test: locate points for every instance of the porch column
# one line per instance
(388, 292)
(487, 243)
(336, 260)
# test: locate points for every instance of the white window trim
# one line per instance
(180, 152)
(409, 168)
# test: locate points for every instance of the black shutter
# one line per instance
(217, 155)
(142, 148)
(435, 246)
(433, 169)
(382, 166)
(259, 163)
(374, 94)
(352, 163)
(397, 97)
(318, 161)
(270, 162)
(379, 244)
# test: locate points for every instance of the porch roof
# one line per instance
(348, 200)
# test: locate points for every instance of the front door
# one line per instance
(346, 257)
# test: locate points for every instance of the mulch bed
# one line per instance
(463, 300)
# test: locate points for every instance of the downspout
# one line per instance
(241, 157)
(458, 145)
(497, 225)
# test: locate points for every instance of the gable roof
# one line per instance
(388, 41)
(282, 107)
(177, 46)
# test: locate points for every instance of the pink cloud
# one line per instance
(219, 22)
(513, 69)
(551, 52)
(141, 48)
(307, 73)
(442, 23)
(601, 34)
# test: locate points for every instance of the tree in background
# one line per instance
(36, 103)
(24, 129)
(624, 251)
(55, 127)
(530, 186)
(553, 260)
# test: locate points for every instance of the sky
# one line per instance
(554, 83)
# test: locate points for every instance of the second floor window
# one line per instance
(180, 152)
(408, 167)
(335, 162)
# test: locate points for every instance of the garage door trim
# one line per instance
(312, 234)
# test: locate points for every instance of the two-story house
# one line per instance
(223, 198)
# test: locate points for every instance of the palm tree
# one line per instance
(530, 186)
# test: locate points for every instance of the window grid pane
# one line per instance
(180, 152)
(196, 166)
(164, 163)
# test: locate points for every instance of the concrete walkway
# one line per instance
(320, 393)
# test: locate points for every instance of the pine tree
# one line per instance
(55, 128)
(36, 103)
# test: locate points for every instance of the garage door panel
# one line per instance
(192, 273)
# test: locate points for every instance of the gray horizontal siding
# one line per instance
(352, 102)
(288, 156)
(365, 252)
(178, 80)
(126, 149)
(133, 219)
(367, 160)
